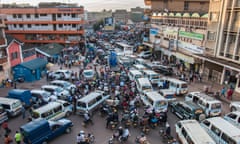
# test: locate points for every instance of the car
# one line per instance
(162, 69)
(145, 54)
(64, 84)
(89, 74)
(156, 63)
(56, 90)
(187, 110)
(61, 74)
(42, 95)
(234, 106)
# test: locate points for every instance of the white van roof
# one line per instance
(226, 127)
(150, 72)
(144, 81)
(205, 97)
(90, 96)
(140, 66)
(135, 72)
(176, 81)
(47, 107)
(4, 100)
(154, 95)
(59, 81)
(197, 132)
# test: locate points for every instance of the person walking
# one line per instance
(23, 112)
(18, 137)
(7, 139)
(223, 91)
(5, 127)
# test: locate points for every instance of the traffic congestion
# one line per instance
(116, 91)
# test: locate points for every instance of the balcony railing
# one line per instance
(3, 60)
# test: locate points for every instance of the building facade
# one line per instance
(120, 16)
(222, 54)
(47, 23)
(178, 30)
(4, 66)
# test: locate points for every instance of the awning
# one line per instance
(184, 58)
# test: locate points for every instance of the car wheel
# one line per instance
(68, 130)
(201, 117)
(68, 114)
(233, 109)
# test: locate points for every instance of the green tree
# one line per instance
(98, 25)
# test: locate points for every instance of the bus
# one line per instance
(127, 49)
(191, 132)
(222, 131)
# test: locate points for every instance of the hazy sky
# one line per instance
(90, 5)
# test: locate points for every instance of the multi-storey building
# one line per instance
(3, 53)
(181, 27)
(47, 23)
(121, 16)
(136, 14)
(222, 53)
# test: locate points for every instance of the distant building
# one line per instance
(136, 14)
(93, 17)
(121, 16)
(47, 23)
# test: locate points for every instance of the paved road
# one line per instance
(98, 129)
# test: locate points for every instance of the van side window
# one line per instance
(179, 124)
(177, 85)
(98, 98)
(207, 123)
(184, 132)
(227, 139)
(46, 114)
(216, 130)
(6, 106)
(207, 105)
(92, 102)
(189, 140)
(57, 109)
(232, 116)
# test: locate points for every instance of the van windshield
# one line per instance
(35, 115)
(16, 105)
(161, 104)
(146, 87)
(216, 106)
(81, 104)
(184, 86)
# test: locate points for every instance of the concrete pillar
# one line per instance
(223, 74)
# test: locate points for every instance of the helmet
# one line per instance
(82, 132)
(120, 127)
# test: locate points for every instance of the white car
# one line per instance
(89, 74)
(145, 54)
(43, 95)
(156, 63)
(64, 84)
(62, 74)
(56, 90)
(234, 106)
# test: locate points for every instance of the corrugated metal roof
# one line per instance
(51, 49)
(34, 64)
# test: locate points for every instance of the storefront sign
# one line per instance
(191, 35)
(191, 48)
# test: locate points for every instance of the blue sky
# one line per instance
(90, 5)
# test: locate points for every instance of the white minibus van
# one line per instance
(191, 132)
(211, 106)
(222, 131)
(53, 110)
(180, 87)
(11, 106)
(234, 118)
(139, 67)
(134, 75)
(143, 84)
(155, 100)
(91, 102)
(152, 76)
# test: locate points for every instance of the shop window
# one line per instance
(14, 55)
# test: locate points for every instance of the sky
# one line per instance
(90, 5)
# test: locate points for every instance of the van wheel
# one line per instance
(68, 114)
(45, 142)
(201, 117)
(233, 109)
(68, 130)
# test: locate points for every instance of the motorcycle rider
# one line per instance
(81, 138)
(124, 135)
(87, 118)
